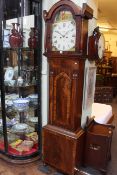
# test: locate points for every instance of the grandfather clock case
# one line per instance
(66, 51)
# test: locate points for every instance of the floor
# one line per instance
(26, 169)
(37, 168)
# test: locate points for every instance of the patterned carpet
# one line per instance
(112, 165)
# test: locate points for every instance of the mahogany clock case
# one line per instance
(63, 137)
(66, 68)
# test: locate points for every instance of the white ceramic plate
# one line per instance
(9, 74)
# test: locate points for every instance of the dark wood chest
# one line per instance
(98, 146)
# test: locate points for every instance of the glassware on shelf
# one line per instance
(15, 38)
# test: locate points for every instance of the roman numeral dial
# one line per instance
(64, 36)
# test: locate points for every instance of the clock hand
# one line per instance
(68, 32)
(59, 33)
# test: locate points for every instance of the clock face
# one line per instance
(101, 46)
(64, 36)
(64, 32)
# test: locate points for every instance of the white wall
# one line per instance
(111, 42)
(93, 22)
(47, 4)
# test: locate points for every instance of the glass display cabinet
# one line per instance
(20, 80)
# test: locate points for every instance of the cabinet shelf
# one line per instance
(25, 86)
(19, 48)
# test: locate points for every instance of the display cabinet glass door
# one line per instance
(20, 82)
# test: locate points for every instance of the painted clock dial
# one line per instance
(64, 32)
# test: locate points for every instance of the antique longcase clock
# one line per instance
(66, 51)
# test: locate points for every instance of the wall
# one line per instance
(111, 42)
(47, 4)
(93, 22)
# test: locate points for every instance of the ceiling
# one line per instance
(107, 13)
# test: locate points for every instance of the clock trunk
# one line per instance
(65, 93)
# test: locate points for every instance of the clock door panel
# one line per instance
(64, 96)
(62, 83)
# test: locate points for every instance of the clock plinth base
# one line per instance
(63, 149)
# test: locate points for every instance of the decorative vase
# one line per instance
(15, 39)
(33, 40)
(19, 81)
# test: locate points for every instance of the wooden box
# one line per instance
(98, 146)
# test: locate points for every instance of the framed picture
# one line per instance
(90, 86)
